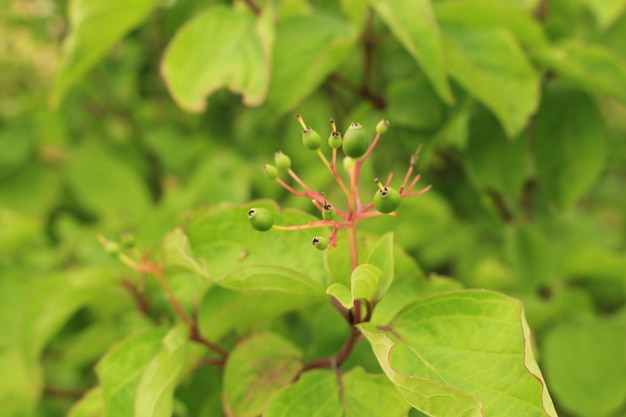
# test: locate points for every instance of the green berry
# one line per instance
(320, 242)
(328, 212)
(348, 163)
(270, 171)
(335, 140)
(355, 141)
(112, 248)
(386, 199)
(311, 139)
(382, 126)
(282, 161)
(261, 219)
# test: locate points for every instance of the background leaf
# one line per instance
(155, 392)
(220, 47)
(256, 369)
(120, 370)
(414, 25)
(95, 27)
(307, 49)
(569, 144)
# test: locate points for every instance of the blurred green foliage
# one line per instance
(117, 118)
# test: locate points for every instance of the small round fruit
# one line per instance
(270, 171)
(261, 219)
(328, 212)
(311, 139)
(355, 141)
(382, 126)
(387, 200)
(282, 161)
(320, 242)
(335, 140)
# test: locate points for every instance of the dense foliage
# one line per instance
(132, 136)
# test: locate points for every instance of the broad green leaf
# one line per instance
(122, 195)
(406, 291)
(155, 392)
(221, 47)
(495, 163)
(364, 282)
(227, 241)
(483, 14)
(120, 370)
(530, 253)
(414, 25)
(308, 48)
(589, 66)
(569, 144)
(427, 113)
(90, 405)
(256, 369)
(605, 11)
(463, 353)
(341, 293)
(20, 383)
(317, 393)
(223, 310)
(175, 248)
(491, 66)
(584, 364)
(372, 395)
(54, 300)
(95, 26)
(381, 257)
(272, 278)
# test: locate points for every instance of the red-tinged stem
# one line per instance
(310, 225)
(157, 272)
(389, 177)
(294, 191)
(333, 171)
(420, 192)
(412, 184)
(339, 357)
(211, 362)
(297, 179)
(140, 301)
(406, 178)
(332, 240)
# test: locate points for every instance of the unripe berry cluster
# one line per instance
(356, 145)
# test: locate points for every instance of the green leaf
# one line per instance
(415, 27)
(606, 11)
(464, 353)
(256, 369)
(94, 27)
(364, 282)
(381, 257)
(427, 113)
(591, 67)
(491, 66)
(155, 392)
(317, 393)
(120, 370)
(492, 14)
(372, 395)
(227, 241)
(341, 293)
(584, 364)
(90, 405)
(495, 163)
(175, 248)
(308, 48)
(122, 195)
(272, 278)
(221, 47)
(569, 144)
(54, 300)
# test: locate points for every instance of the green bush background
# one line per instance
(520, 107)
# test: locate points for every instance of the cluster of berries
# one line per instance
(357, 147)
